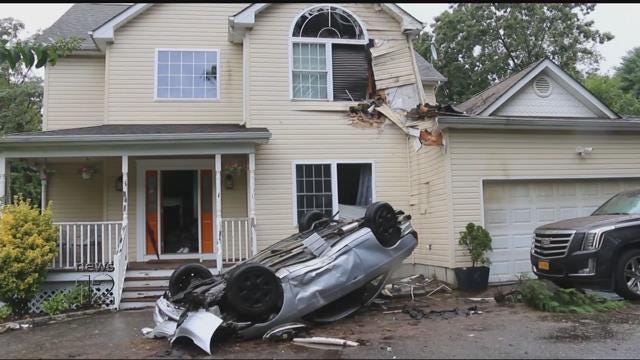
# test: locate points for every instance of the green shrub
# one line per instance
(543, 296)
(81, 295)
(28, 244)
(477, 241)
(5, 311)
(56, 304)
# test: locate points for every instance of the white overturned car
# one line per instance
(325, 272)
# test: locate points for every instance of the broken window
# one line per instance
(329, 56)
(315, 190)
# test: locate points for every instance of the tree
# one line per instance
(629, 72)
(480, 44)
(610, 90)
(21, 93)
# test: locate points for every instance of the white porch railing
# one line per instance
(236, 239)
(87, 243)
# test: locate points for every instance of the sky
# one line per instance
(618, 19)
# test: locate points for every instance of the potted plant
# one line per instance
(477, 241)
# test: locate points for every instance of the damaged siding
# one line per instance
(392, 65)
(320, 132)
(431, 206)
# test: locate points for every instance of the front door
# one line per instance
(179, 212)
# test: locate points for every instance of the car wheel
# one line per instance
(381, 218)
(254, 292)
(308, 219)
(185, 274)
(628, 275)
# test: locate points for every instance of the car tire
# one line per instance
(183, 276)
(628, 269)
(254, 292)
(381, 218)
(309, 219)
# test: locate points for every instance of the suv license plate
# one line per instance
(543, 265)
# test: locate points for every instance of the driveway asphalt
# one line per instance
(512, 331)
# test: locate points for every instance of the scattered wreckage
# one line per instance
(323, 273)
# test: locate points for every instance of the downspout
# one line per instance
(245, 79)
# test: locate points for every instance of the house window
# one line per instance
(328, 56)
(187, 74)
(346, 188)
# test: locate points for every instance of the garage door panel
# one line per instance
(513, 209)
(546, 215)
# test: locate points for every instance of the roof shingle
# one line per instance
(79, 20)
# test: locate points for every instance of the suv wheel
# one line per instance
(628, 275)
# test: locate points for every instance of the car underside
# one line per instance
(325, 272)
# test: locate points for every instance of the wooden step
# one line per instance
(146, 281)
(143, 292)
(138, 303)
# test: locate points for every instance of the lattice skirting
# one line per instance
(103, 290)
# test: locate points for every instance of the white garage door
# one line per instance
(514, 208)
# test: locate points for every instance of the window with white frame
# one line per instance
(344, 187)
(323, 36)
(187, 74)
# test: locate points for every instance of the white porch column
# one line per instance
(218, 213)
(43, 187)
(252, 201)
(124, 232)
(3, 182)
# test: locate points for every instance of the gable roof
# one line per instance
(80, 20)
(428, 73)
(479, 102)
(489, 100)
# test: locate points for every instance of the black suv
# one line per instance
(599, 251)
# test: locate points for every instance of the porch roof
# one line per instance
(145, 132)
(151, 139)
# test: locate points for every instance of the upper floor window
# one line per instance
(187, 74)
(328, 55)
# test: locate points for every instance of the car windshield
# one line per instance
(621, 204)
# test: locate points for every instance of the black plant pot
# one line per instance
(472, 279)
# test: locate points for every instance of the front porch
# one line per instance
(167, 197)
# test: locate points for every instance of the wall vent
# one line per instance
(542, 86)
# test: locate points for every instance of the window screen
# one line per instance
(313, 189)
(187, 74)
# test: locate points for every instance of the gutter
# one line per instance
(458, 122)
(235, 137)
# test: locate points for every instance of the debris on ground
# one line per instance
(416, 285)
(325, 341)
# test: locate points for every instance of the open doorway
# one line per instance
(179, 211)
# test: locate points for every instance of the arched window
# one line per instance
(321, 37)
(328, 22)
